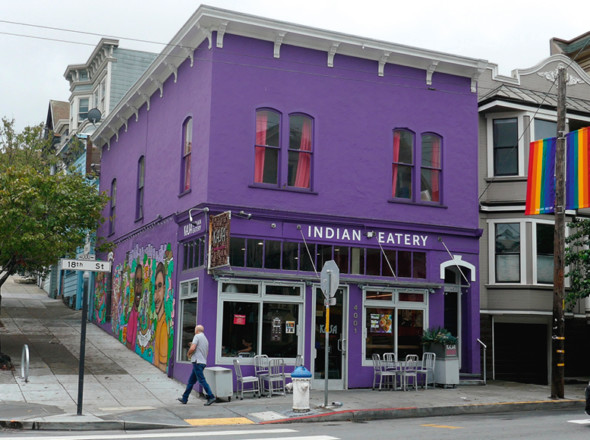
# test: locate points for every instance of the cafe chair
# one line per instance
(390, 364)
(261, 368)
(242, 380)
(427, 368)
(410, 371)
(274, 381)
(382, 374)
(298, 363)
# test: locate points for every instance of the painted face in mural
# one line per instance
(138, 286)
(160, 287)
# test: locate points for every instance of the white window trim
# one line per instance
(492, 249)
(181, 299)
(534, 249)
(490, 142)
(259, 298)
(395, 304)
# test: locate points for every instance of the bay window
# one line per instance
(544, 245)
(507, 252)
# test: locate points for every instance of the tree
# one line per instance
(45, 212)
(577, 259)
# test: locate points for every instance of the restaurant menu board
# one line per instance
(380, 323)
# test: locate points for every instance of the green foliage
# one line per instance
(43, 215)
(577, 259)
(438, 335)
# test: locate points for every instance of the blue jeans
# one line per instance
(197, 376)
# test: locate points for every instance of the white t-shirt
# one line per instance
(200, 354)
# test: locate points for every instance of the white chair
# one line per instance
(242, 380)
(427, 368)
(298, 363)
(261, 368)
(390, 364)
(381, 374)
(274, 381)
(410, 371)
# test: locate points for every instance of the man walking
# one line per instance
(197, 353)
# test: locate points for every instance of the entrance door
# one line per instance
(337, 341)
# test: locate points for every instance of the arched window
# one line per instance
(300, 151)
(431, 170)
(113, 210)
(267, 147)
(403, 164)
(187, 146)
(140, 188)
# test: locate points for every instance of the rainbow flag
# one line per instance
(578, 160)
(540, 191)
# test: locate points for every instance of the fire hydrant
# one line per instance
(301, 383)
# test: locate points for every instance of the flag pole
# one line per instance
(558, 323)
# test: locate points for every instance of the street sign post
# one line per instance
(86, 266)
(329, 281)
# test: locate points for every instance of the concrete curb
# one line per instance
(363, 415)
(106, 425)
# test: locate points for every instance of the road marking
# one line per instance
(220, 421)
(443, 426)
(168, 435)
(581, 422)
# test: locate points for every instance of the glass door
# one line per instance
(337, 341)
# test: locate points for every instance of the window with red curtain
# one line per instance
(431, 168)
(266, 148)
(187, 147)
(113, 209)
(403, 164)
(300, 151)
(140, 187)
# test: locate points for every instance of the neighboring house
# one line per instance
(99, 83)
(323, 146)
(516, 259)
(577, 49)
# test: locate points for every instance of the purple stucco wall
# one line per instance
(354, 111)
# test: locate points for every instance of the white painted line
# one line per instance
(175, 435)
(580, 422)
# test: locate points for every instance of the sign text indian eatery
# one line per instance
(356, 235)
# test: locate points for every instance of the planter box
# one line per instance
(442, 351)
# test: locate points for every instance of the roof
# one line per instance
(519, 95)
(206, 20)
(58, 110)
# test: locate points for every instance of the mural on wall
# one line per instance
(142, 307)
(99, 311)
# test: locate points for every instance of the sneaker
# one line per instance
(181, 400)
(210, 401)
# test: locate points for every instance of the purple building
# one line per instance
(251, 152)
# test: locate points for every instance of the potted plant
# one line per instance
(440, 341)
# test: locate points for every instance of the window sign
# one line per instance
(277, 330)
(290, 327)
(239, 319)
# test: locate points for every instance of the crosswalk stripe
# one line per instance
(581, 422)
(443, 426)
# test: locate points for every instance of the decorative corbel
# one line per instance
(331, 53)
(124, 121)
(147, 99)
(474, 79)
(134, 110)
(208, 34)
(108, 145)
(173, 70)
(382, 62)
(190, 53)
(430, 71)
(159, 85)
(221, 33)
(278, 41)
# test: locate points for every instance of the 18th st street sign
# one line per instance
(85, 265)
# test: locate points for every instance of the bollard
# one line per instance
(301, 383)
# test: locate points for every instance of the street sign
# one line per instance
(330, 278)
(91, 266)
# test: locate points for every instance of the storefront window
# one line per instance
(272, 254)
(254, 248)
(404, 264)
(389, 263)
(237, 251)
(380, 331)
(240, 328)
(290, 255)
(264, 323)
(419, 264)
(341, 258)
(279, 338)
(188, 316)
(307, 264)
(410, 324)
(324, 254)
(373, 262)
(357, 261)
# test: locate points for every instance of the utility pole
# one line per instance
(558, 325)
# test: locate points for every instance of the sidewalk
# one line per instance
(121, 391)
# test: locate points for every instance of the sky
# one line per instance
(512, 34)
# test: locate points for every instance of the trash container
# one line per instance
(301, 383)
